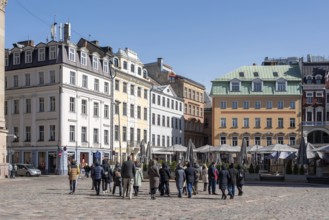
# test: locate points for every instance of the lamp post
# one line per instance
(112, 76)
(116, 104)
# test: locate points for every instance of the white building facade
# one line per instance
(58, 103)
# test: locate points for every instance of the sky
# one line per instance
(201, 40)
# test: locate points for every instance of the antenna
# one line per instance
(60, 31)
(53, 31)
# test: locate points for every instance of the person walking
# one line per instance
(196, 180)
(14, 171)
(154, 176)
(204, 175)
(224, 176)
(117, 179)
(97, 174)
(138, 179)
(240, 179)
(10, 170)
(107, 174)
(190, 178)
(87, 170)
(73, 172)
(164, 180)
(180, 178)
(232, 181)
(212, 179)
(128, 173)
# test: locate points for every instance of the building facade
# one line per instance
(192, 94)
(261, 104)
(58, 103)
(132, 88)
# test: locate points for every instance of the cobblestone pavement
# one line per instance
(47, 197)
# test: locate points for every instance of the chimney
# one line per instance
(27, 43)
(160, 63)
(254, 64)
(96, 42)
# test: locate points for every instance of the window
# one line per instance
(125, 65)
(52, 76)
(145, 93)
(234, 141)
(132, 110)
(292, 122)
(145, 74)
(52, 106)
(223, 122)
(83, 106)
(72, 104)
(138, 135)
(106, 87)
(84, 81)
(139, 91)
(16, 106)
(145, 114)
(222, 140)
(235, 87)
(132, 68)
(139, 71)
(105, 66)
(132, 135)
(83, 134)
(96, 107)
(292, 105)
(72, 77)
(117, 85)
(280, 122)
(106, 111)
(269, 104)
(281, 86)
(268, 122)
(52, 52)
(72, 54)
(257, 86)
(116, 62)
(41, 133)
(124, 133)
(116, 133)
(280, 140)
(124, 87)
(28, 56)
(95, 136)
(27, 79)
(309, 79)
(234, 104)
(96, 85)
(268, 141)
(106, 137)
(6, 59)
(124, 109)
(159, 100)
(72, 133)
(41, 78)
(41, 104)
(257, 105)
(257, 122)
(158, 120)
(17, 59)
(246, 104)
(257, 140)
(116, 109)
(95, 63)
(234, 122)
(83, 59)
(309, 97)
(280, 104)
(132, 90)
(292, 140)
(15, 81)
(28, 105)
(27, 134)
(41, 54)
(52, 133)
(139, 113)
(223, 105)
(318, 79)
(246, 122)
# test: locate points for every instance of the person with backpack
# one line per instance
(97, 174)
(117, 179)
(240, 179)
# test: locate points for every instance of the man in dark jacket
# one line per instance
(107, 176)
(240, 180)
(190, 178)
(232, 181)
(212, 179)
(164, 179)
(128, 172)
(97, 174)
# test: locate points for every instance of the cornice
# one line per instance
(3, 4)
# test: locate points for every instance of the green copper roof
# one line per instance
(268, 75)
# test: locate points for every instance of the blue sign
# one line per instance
(98, 155)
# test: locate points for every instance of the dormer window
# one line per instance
(257, 86)
(17, 58)
(275, 74)
(309, 79)
(235, 86)
(72, 54)
(318, 79)
(83, 59)
(132, 68)
(281, 85)
(116, 62)
(145, 74)
(105, 66)
(139, 71)
(28, 56)
(256, 74)
(125, 65)
(41, 54)
(52, 52)
(241, 74)
(95, 63)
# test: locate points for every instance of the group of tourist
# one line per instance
(128, 178)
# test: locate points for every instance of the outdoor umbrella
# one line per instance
(254, 149)
(243, 152)
(142, 151)
(302, 157)
(278, 148)
(310, 153)
(203, 149)
(189, 156)
(176, 148)
(149, 152)
(228, 149)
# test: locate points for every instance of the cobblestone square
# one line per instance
(47, 197)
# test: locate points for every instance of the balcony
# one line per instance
(315, 123)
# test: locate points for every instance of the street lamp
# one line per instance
(116, 104)
(112, 76)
